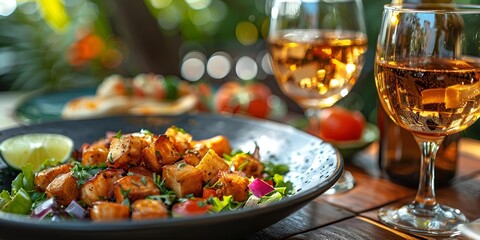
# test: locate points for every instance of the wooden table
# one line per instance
(353, 214)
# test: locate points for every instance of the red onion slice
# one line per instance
(75, 210)
(260, 188)
(44, 208)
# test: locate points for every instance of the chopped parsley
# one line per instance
(118, 134)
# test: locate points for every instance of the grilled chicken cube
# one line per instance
(183, 179)
(100, 186)
(94, 155)
(194, 155)
(139, 170)
(210, 165)
(63, 188)
(126, 150)
(159, 153)
(234, 183)
(45, 177)
(220, 144)
(246, 163)
(179, 138)
(148, 209)
(104, 141)
(134, 187)
(109, 211)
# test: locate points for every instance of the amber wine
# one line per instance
(317, 67)
(431, 96)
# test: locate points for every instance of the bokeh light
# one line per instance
(200, 17)
(247, 33)
(169, 18)
(195, 54)
(160, 3)
(193, 66)
(198, 4)
(219, 65)
(218, 10)
(111, 58)
(30, 10)
(267, 64)
(246, 68)
(7, 7)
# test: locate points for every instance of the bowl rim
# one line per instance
(299, 198)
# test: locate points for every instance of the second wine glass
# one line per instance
(427, 74)
(318, 51)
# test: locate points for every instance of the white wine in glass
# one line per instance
(427, 74)
(318, 51)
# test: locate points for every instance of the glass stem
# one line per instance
(313, 115)
(425, 202)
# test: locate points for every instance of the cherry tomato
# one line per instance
(249, 99)
(225, 97)
(258, 106)
(341, 124)
(209, 192)
(190, 207)
(204, 92)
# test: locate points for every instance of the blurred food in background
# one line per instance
(64, 44)
(341, 124)
(248, 98)
(145, 94)
(150, 94)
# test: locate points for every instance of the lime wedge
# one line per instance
(35, 148)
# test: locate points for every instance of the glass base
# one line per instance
(439, 221)
(344, 183)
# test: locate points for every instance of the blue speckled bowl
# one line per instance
(314, 167)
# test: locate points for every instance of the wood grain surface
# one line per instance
(353, 215)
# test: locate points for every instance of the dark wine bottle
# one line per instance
(399, 155)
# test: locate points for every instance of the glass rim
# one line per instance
(434, 8)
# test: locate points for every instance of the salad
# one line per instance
(145, 175)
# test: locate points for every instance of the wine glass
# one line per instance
(427, 75)
(317, 49)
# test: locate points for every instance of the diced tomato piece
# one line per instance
(190, 207)
(209, 192)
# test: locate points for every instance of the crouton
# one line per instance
(183, 179)
(210, 165)
(140, 170)
(100, 186)
(159, 153)
(148, 209)
(125, 151)
(179, 138)
(94, 155)
(109, 211)
(63, 188)
(194, 155)
(246, 163)
(234, 183)
(220, 144)
(134, 187)
(45, 177)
